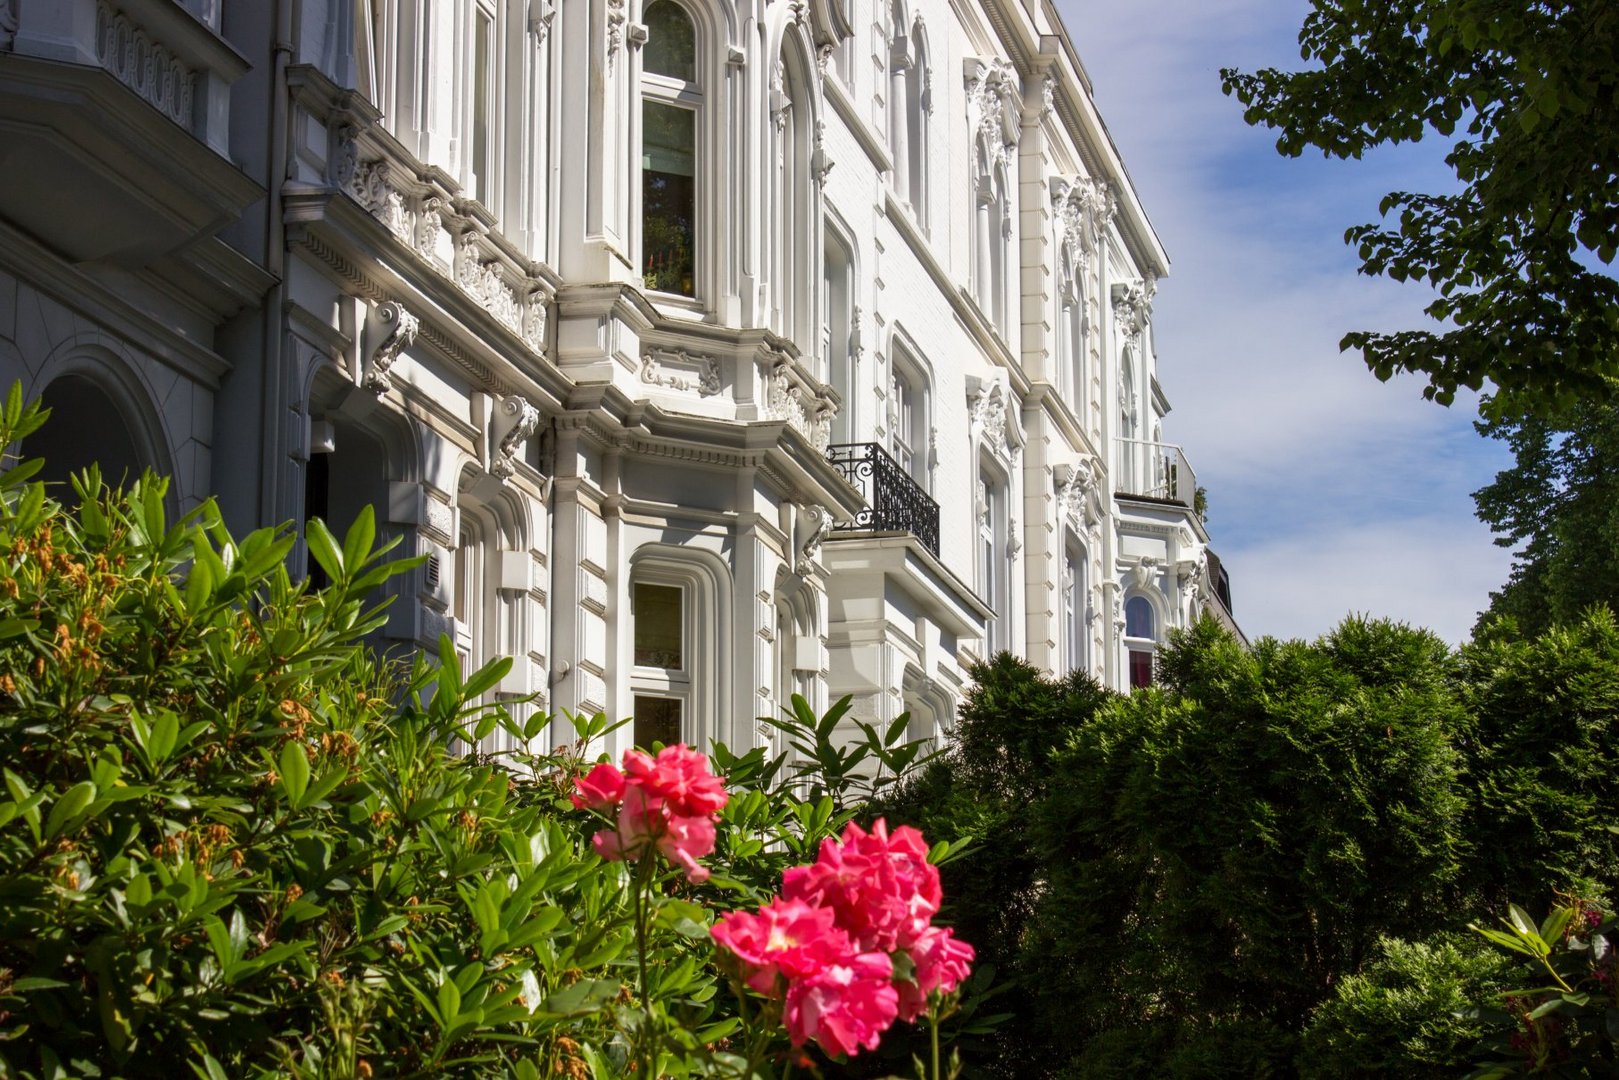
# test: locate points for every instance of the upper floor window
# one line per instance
(994, 562)
(838, 332)
(908, 94)
(907, 418)
(1072, 373)
(1074, 620)
(670, 102)
(1140, 632)
(791, 192)
(485, 69)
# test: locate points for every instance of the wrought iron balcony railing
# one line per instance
(894, 502)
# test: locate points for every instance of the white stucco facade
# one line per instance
(711, 350)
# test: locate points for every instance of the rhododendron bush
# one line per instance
(236, 843)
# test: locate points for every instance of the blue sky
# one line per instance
(1329, 491)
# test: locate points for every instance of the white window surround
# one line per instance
(704, 678)
(686, 95)
(909, 419)
(1138, 643)
(993, 560)
(1075, 601)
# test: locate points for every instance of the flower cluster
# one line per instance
(666, 803)
(825, 948)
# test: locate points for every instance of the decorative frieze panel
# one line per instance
(482, 281)
(791, 396)
(137, 60)
(428, 225)
(678, 369)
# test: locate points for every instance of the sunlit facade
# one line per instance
(709, 351)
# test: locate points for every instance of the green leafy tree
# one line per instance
(1222, 849)
(1559, 504)
(1540, 765)
(988, 785)
(1529, 93)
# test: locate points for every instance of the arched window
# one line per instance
(992, 231)
(792, 194)
(1075, 594)
(87, 426)
(1072, 375)
(671, 100)
(917, 91)
(908, 89)
(1141, 639)
(679, 636)
(1138, 618)
(838, 341)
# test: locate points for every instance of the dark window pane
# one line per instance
(657, 720)
(671, 47)
(668, 197)
(1138, 617)
(1140, 668)
(659, 626)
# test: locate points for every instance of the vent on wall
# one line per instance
(432, 571)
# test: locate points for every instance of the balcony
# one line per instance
(1156, 471)
(114, 127)
(894, 502)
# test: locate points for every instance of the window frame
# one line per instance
(688, 95)
(992, 557)
(1136, 645)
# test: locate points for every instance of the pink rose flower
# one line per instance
(881, 886)
(680, 776)
(941, 963)
(646, 818)
(845, 1006)
(786, 937)
(603, 788)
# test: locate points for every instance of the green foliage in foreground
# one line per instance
(235, 844)
(1266, 864)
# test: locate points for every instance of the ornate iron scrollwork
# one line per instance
(894, 501)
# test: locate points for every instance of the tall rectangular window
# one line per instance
(1073, 609)
(669, 198)
(992, 559)
(661, 679)
(483, 104)
(659, 627)
(670, 100)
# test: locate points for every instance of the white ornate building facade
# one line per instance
(711, 350)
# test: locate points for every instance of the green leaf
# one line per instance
(72, 803)
(293, 767)
(323, 546)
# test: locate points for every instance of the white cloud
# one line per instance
(1307, 457)
(1425, 572)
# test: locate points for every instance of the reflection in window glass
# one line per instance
(659, 626)
(668, 196)
(657, 720)
(1140, 668)
(671, 47)
(1138, 618)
